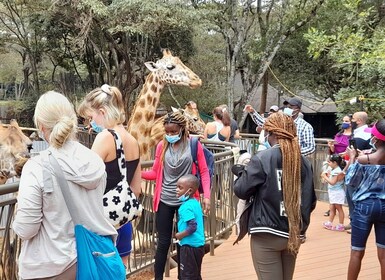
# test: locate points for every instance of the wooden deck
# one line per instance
(324, 255)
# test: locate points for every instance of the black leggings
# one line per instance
(164, 221)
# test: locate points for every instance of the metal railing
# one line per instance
(218, 224)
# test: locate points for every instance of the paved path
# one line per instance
(325, 255)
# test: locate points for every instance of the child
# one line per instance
(336, 191)
(190, 229)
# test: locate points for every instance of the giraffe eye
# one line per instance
(170, 67)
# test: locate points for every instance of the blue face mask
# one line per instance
(184, 196)
(97, 128)
(345, 125)
(172, 138)
(266, 143)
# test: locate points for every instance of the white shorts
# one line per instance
(336, 196)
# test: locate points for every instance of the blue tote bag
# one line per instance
(97, 256)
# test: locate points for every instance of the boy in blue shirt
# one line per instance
(190, 229)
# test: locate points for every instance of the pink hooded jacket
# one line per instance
(156, 173)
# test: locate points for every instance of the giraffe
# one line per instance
(14, 146)
(168, 70)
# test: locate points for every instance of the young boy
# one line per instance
(190, 229)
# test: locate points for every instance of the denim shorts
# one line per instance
(367, 213)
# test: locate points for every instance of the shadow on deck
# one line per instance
(324, 255)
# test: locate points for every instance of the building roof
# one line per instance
(310, 103)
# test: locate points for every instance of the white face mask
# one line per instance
(288, 112)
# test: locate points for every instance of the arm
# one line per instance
(257, 118)
(151, 174)
(29, 213)
(205, 177)
(250, 179)
(331, 180)
(136, 183)
(191, 228)
(307, 140)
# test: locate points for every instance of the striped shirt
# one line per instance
(305, 133)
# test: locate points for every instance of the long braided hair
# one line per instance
(283, 127)
(179, 119)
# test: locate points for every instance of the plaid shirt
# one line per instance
(305, 133)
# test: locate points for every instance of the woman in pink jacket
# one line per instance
(173, 160)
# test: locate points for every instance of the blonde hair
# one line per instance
(55, 112)
(283, 127)
(105, 97)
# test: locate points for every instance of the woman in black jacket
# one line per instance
(280, 182)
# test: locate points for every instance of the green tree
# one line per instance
(356, 47)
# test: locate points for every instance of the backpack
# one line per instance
(209, 156)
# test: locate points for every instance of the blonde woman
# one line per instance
(280, 181)
(103, 107)
(42, 220)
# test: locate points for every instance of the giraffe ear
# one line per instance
(151, 66)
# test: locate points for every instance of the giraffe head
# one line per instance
(195, 124)
(171, 70)
(14, 148)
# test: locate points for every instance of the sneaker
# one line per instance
(327, 213)
(349, 231)
(339, 227)
(349, 226)
(327, 225)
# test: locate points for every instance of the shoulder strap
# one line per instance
(119, 154)
(194, 149)
(49, 158)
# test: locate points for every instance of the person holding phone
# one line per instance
(366, 176)
(341, 140)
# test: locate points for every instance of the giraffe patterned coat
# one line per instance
(156, 173)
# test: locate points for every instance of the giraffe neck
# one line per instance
(142, 118)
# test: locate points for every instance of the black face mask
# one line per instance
(354, 125)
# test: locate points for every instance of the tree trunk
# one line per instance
(265, 86)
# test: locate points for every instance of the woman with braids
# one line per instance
(280, 182)
(173, 160)
(366, 175)
(103, 107)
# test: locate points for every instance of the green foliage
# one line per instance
(355, 45)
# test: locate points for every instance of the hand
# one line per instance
(178, 235)
(351, 152)
(330, 143)
(206, 206)
(248, 108)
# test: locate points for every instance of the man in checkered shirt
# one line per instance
(305, 132)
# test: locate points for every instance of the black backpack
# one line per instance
(209, 160)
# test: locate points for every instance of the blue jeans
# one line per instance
(367, 213)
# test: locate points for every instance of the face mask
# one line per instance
(184, 196)
(354, 125)
(97, 128)
(288, 112)
(345, 125)
(173, 138)
(373, 145)
(266, 143)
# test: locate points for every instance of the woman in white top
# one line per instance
(219, 129)
(42, 220)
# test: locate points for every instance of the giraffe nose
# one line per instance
(195, 83)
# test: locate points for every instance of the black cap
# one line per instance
(295, 101)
